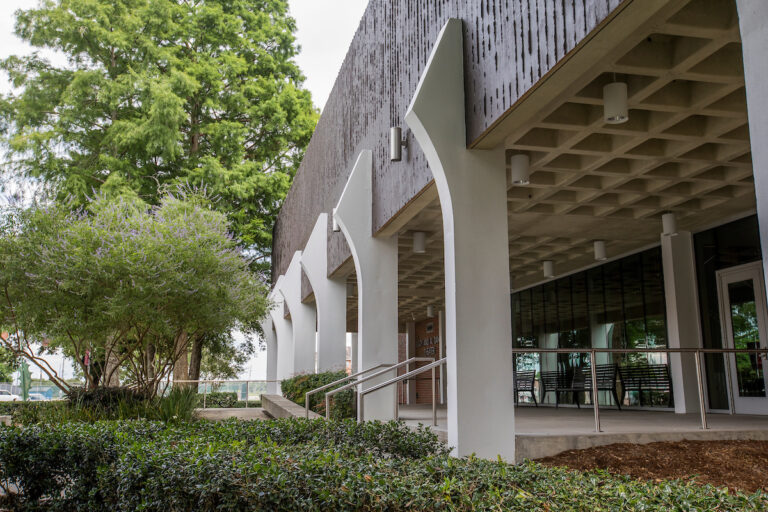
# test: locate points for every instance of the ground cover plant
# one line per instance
(304, 465)
(342, 404)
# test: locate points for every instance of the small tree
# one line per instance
(124, 288)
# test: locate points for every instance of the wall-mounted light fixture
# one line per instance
(430, 311)
(615, 109)
(600, 253)
(419, 242)
(549, 269)
(669, 224)
(336, 227)
(396, 144)
(520, 169)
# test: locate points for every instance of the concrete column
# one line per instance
(683, 323)
(443, 387)
(303, 318)
(754, 41)
(376, 266)
(353, 351)
(473, 195)
(283, 333)
(330, 300)
(270, 339)
(410, 332)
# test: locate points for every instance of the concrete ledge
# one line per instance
(241, 413)
(280, 407)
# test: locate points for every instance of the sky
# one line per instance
(324, 31)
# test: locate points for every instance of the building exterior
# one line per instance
(575, 174)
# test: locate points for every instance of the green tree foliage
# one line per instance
(162, 92)
(133, 285)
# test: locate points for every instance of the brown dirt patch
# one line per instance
(738, 465)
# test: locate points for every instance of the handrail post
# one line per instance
(595, 405)
(327, 407)
(397, 402)
(700, 382)
(434, 399)
(728, 384)
(306, 404)
(360, 413)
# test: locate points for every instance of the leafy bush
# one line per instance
(342, 404)
(217, 400)
(304, 465)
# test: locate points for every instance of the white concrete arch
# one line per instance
(330, 299)
(303, 318)
(283, 334)
(270, 340)
(376, 266)
(472, 189)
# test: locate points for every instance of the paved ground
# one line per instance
(251, 413)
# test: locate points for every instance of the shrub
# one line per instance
(217, 400)
(304, 465)
(342, 404)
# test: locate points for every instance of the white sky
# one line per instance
(325, 30)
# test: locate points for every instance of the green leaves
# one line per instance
(162, 93)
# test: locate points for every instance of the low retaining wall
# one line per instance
(280, 407)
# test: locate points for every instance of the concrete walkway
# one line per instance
(251, 413)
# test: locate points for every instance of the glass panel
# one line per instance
(749, 367)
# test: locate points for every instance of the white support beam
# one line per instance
(754, 41)
(270, 340)
(683, 323)
(283, 333)
(472, 189)
(330, 299)
(376, 267)
(303, 319)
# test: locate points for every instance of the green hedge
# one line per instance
(342, 404)
(217, 400)
(304, 465)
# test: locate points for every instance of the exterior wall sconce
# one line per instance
(600, 253)
(396, 144)
(336, 227)
(520, 169)
(615, 110)
(669, 224)
(430, 311)
(549, 269)
(419, 242)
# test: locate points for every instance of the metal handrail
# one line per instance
(399, 378)
(695, 351)
(348, 377)
(369, 377)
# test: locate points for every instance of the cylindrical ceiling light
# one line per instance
(615, 109)
(549, 269)
(396, 144)
(336, 227)
(600, 253)
(430, 311)
(419, 242)
(520, 169)
(669, 224)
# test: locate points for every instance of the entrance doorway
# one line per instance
(744, 318)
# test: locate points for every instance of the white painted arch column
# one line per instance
(472, 190)
(303, 318)
(270, 340)
(376, 267)
(330, 300)
(283, 334)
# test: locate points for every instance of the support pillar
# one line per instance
(283, 334)
(754, 41)
(270, 339)
(330, 300)
(376, 267)
(410, 335)
(683, 323)
(303, 319)
(353, 351)
(472, 189)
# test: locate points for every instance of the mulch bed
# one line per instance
(738, 465)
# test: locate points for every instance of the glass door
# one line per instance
(743, 312)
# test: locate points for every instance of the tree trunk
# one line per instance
(111, 371)
(181, 365)
(195, 358)
(150, 362)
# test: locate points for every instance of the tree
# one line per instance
(157, 93)
(125, 288)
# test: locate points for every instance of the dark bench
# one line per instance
(524, 383)
(606, 380)
(653, 377)
(557, 382)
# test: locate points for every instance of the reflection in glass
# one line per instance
(746, 335)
